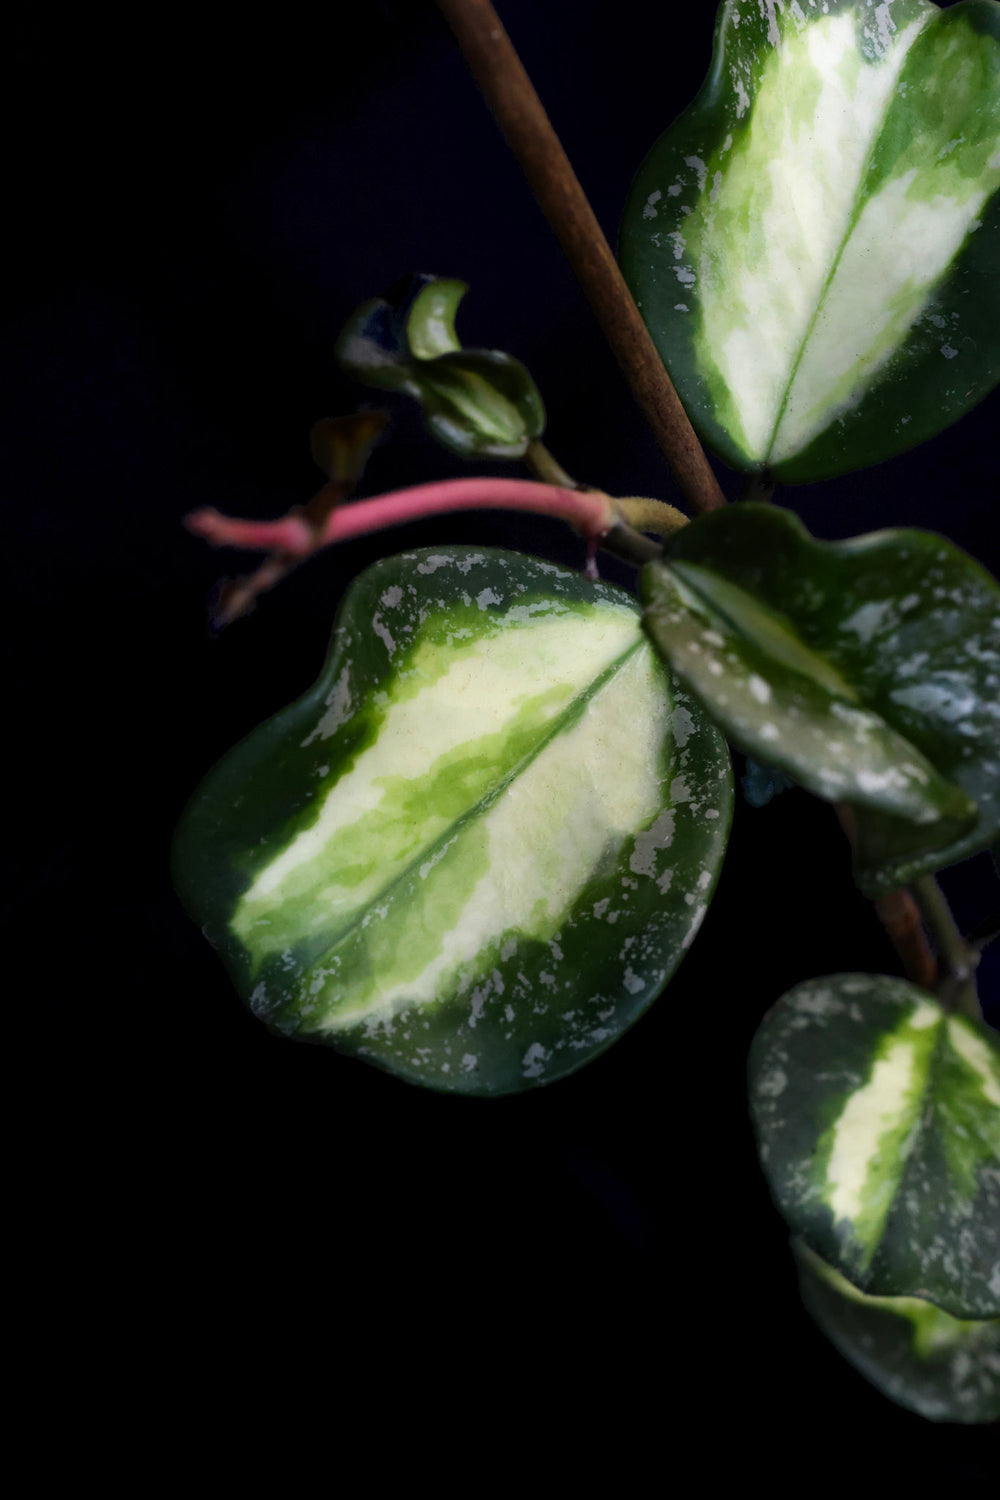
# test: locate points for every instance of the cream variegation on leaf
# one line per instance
(813, 244)
(877, 1116)
(867, 670)
(474, 852)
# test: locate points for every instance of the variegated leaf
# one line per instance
(477, 402)
(476, 850)
(867, 670)
(814, 243)
(946, 1369)
(878, 1123)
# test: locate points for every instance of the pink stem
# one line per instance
(291, 534)
(590, 513)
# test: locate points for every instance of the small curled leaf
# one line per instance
(430, 322)
(341, 446)
(477, 402)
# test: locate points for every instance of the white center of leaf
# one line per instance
(873, 1134)
(818, 246)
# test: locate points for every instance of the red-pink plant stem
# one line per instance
(589, 512)
(290, 535)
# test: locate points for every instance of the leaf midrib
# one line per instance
(927, 1125)
(556, 726)
(911, 1147)
(849, 695)
(851, 226)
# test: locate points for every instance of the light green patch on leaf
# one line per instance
(878, 1125)
(868, 671)
(481, 402)
(944, 1368)
(430, 326)
(860, 1157)
(475, 852)
(813, 242)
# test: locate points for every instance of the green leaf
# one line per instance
(941, 1367)
(866, 670)
(481, 402)
(478, 402)
(430, 325)
(877, 1117)
(476, 850)
(372, 345)
(814, 243)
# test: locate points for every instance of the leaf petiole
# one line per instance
(956, 987)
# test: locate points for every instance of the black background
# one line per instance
(197, 204)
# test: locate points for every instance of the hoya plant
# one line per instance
(476, 851)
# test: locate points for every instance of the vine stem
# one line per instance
(900, 917)
(639, 511)
(296, 536)
(759, 488)
(518, 111)
(545, 466)
(590, 512)
(511, 97)
(957, 985)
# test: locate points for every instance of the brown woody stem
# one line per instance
(900, 916)
(518, 110)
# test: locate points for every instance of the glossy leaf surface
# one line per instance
(946, 1369)
(878, 1123)
(867, 670)
(476, 850)
(475, 401)
(814, 243)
